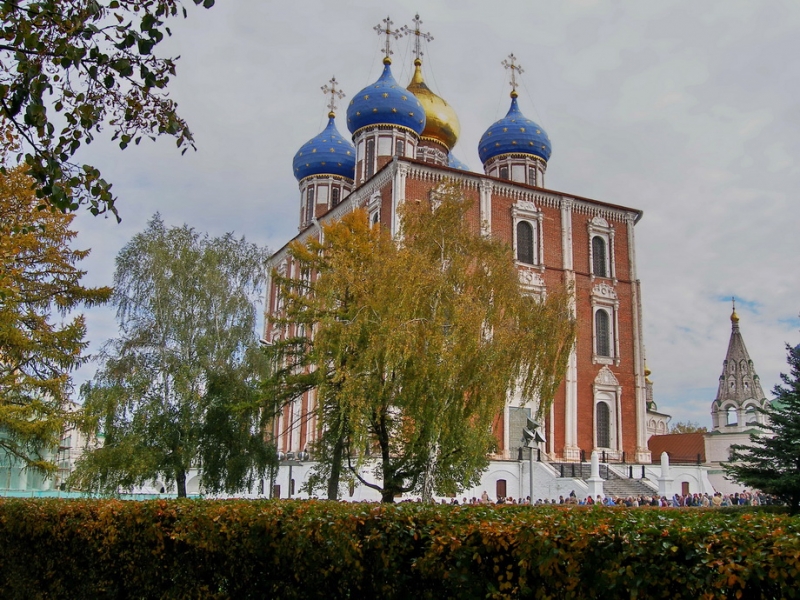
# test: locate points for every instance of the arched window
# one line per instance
(531, 176)
(309, 204)
(400, 148)
(503, 172)
(602, 333)
(731, 417)
(335, 196)
(525, 242)
(750, 416)
(599, 261)
(369, 159)
(603, 425)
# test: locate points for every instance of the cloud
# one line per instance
(685, 110)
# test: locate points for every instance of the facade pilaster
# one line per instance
(571, 449)
(640, 386)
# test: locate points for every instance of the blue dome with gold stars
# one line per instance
(514, 134)
(385, 102)
(326, 154)
(454, 163)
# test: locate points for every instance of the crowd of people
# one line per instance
(716, 500)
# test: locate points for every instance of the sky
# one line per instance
(686, 110)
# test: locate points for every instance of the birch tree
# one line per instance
(178, 388)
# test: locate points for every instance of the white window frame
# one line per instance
(599, 227)
(604, 297)
(527, 211)
(374, 209)
(606, 389)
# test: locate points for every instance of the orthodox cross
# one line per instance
(515, 70)
(419, 36)
(335, 93)
(386, 29)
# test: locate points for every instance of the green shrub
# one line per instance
(295, 549)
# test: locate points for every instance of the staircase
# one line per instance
(614, 484)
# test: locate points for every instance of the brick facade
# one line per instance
(564, 226)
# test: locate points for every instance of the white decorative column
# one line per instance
(485, 206)
(571, 449)
(595, 481)
(665, 481)
(642, 453)
(398, 193)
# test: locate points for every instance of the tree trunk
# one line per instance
(180, 480)
(336, 469)
(430, 473)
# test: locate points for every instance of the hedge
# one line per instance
(311, 549)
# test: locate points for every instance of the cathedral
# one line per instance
(399, 149)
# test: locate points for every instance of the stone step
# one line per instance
(613, 483)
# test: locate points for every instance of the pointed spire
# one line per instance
(738, 381)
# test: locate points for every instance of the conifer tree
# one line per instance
(416, 344)
(771, 463)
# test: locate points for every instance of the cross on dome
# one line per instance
(386, 29)
(515, 70)
(419, 36)
(334, 93)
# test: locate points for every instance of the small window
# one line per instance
(503, 172)
(400, 148)
(531, 176)
(335, 196)
(309, 204)
(376, 217)
(525, 252)
(369, 159)
(731, 416)
(599, 262)
(602, 326)
(603, 425)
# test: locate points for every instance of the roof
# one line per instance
(680, 447)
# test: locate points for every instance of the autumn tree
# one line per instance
(42, 339)
(771, 462)
(416, 345)
(68, 68)
(687, 427)
(178, 387)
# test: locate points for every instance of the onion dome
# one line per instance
(385, 102)
(514, 134)
(326, 154)
(454, 163)
(441, 121)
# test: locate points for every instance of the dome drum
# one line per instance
(379, 144)
(519, 168)
(319, 194)
(432, 152)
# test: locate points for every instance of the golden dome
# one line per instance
(441, 124)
